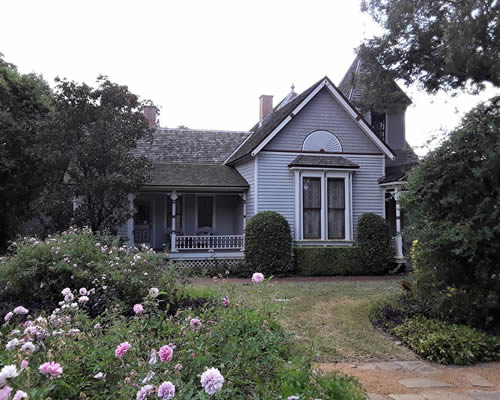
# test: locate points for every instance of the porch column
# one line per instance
(399, 237)
(244, 198)
(130, 222)
(173, 197)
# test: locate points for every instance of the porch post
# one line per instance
(174, 197)
(130, 222)
(244, 198)
(399, 237)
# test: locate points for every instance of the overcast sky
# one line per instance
(205, 63)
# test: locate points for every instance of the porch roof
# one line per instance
(322, 161)
(196, 175)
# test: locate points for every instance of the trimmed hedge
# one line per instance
(268, 244)
(328, 261)
(374, 241)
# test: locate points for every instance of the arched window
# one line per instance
(322, 141)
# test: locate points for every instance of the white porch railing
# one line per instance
(209, 242)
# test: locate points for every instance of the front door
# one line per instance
(143, 222)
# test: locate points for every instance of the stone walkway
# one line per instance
(422, 380)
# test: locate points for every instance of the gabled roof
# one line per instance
(264, 132)
(191, 145)
(322, 161)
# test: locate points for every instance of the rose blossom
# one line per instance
(66, 291)
(138, 309)
(225, 301)
(153, 292)
(12, 344)
(20, 310)
(5, 393)
(83, 299)
(166, 353)
(20, 395)
(212, 381)
(144, 392)
(166, 391)
(8, 316)
(7, 372)
(83, 291)
(195, 324)
(28, 346)
(257, 277)
(24, 364)
(51, 368)
(122, 349)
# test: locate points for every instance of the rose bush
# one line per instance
(234, 352)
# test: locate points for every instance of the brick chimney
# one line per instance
(150, 113)
(266, 106)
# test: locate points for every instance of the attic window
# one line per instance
(379, 124)
(322, 141)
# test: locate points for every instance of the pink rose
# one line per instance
(24, 364)
(122, 349)
(20, 310)
(8, 316)
(166, 353)
(138, 309)
(166, 391)
(51, 369)
(20, 395)
(225, 301)
(195, 324)
(5, 393)
(257, 277)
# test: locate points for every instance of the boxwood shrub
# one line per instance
(447, 343)
(268, 244)
(374, 241)
(328, 261)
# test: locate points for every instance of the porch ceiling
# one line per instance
(196, 176)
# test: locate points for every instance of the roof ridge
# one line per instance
(201, 130)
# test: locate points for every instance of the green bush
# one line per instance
(35, 272)
(374, 241)
(453, 208)
(447, 343)
(268, 244)
(328, 261)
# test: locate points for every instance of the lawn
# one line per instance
(331, 317)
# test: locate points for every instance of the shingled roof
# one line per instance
(261, 131)
(191, 145)
(196, 175)
(322, 161)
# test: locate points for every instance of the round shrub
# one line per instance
(268, 244)
(35, 271)
(374, 241)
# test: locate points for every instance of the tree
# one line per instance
(442, 44)
(25, 101)
(453, 204)
(89, 144)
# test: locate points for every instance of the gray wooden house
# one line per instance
(313, 158)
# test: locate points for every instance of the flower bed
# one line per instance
(222, 350)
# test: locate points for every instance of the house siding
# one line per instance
(276, 186)
(323, 112)
(247, 171)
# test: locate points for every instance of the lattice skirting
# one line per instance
(209, 264)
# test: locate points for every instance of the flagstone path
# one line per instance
(422, 380)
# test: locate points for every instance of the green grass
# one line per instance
(331, 317)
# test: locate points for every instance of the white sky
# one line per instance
(205, 63)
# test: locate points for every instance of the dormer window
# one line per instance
(378, 122)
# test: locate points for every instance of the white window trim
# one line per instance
(214, 209)
(324, 174)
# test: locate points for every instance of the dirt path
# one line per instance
(395, 380)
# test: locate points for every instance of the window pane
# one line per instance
(336, 209)
(312, 208)
(205, 210)
(142, 215)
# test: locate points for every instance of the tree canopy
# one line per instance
(89, 144)
(442, 44)
(453, 206)
(25, 101)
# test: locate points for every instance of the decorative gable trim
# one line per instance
(358, 119)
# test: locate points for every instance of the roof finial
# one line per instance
(293, 87)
